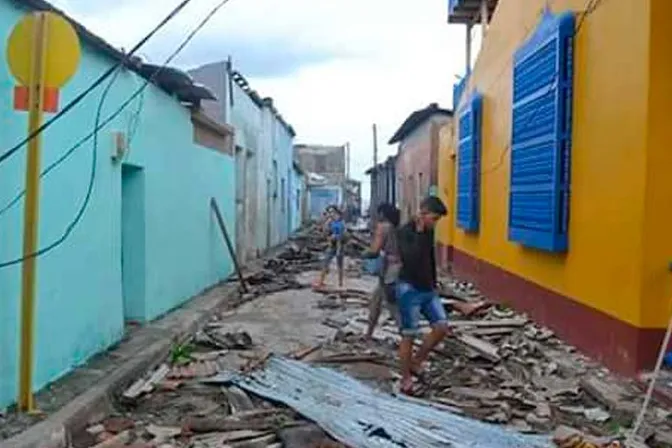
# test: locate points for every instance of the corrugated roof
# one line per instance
(185, 90)
(359, 416)
(240, 80)
(416, 119)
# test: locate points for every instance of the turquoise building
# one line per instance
(147, 240)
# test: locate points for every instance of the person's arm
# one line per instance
(377, 243)
(432, 260)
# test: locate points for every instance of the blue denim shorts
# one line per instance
(329, 256)
(413, 304)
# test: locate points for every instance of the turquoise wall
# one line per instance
(81, 306)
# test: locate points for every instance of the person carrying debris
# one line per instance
(384, 245)
(335, 229)
(415, 290)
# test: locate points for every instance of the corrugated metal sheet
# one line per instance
(360, 416)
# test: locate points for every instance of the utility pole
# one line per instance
(375, 145)
(347, 160)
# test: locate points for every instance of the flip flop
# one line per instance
(419, 374)
(407, 389)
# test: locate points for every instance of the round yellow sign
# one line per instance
(62, 50)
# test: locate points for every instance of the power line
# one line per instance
(132, 126)
(79, 98)
(94, 134)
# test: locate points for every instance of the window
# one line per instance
(469, 164)
(275, 179)
(541, 136)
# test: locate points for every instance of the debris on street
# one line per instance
(293, 368)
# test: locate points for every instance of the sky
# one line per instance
(333, 67)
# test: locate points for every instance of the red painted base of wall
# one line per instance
(616, 344)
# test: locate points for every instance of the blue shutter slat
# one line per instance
(469, 165)
(541, 136)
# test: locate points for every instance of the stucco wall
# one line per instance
(80, 301)
(265, 159)
(616, 269)
(417, 164)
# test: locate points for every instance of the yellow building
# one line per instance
(558, 171)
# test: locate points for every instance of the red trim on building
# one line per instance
(616, 344)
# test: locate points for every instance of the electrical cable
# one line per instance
(79, 98)
(132, 127)
(94, 134)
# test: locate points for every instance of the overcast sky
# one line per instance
(334, 67)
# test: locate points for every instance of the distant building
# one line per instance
(417, 167)
(327, 161)
(383, 178)
(266, 180)
(327, 181)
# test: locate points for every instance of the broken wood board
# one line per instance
(483, 348)
(143, 386)
(513, 322)
(495, 331)
(345, 359)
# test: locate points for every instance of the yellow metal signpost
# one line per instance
(43, 53)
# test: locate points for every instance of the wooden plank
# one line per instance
(513, 322)
(485, 349)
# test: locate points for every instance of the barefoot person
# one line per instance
(384, 244)
(415, 290)
(335, 229)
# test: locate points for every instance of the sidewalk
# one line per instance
(70, 402)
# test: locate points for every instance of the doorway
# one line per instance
(241, 204)
(133, 242)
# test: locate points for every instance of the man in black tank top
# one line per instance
(415, 290)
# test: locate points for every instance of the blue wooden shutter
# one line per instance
(469, 165)
(541, 136)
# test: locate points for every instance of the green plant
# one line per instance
(180, 354)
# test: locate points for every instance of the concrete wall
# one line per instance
(610, 293)
(155, 206)
(383, 179)
(264, 159)
(325, 160)
(417, 164)
(296, 201)
(321, 197)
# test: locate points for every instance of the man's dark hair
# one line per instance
(432, 204)
(390, 213)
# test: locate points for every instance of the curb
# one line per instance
(96, 403)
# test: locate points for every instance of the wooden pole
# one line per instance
(31, 215)
(229, 245)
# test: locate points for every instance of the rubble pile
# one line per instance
(303, 253)
(498, 367)
(502, 368)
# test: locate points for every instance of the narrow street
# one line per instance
(176, 176)
(254, 377)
